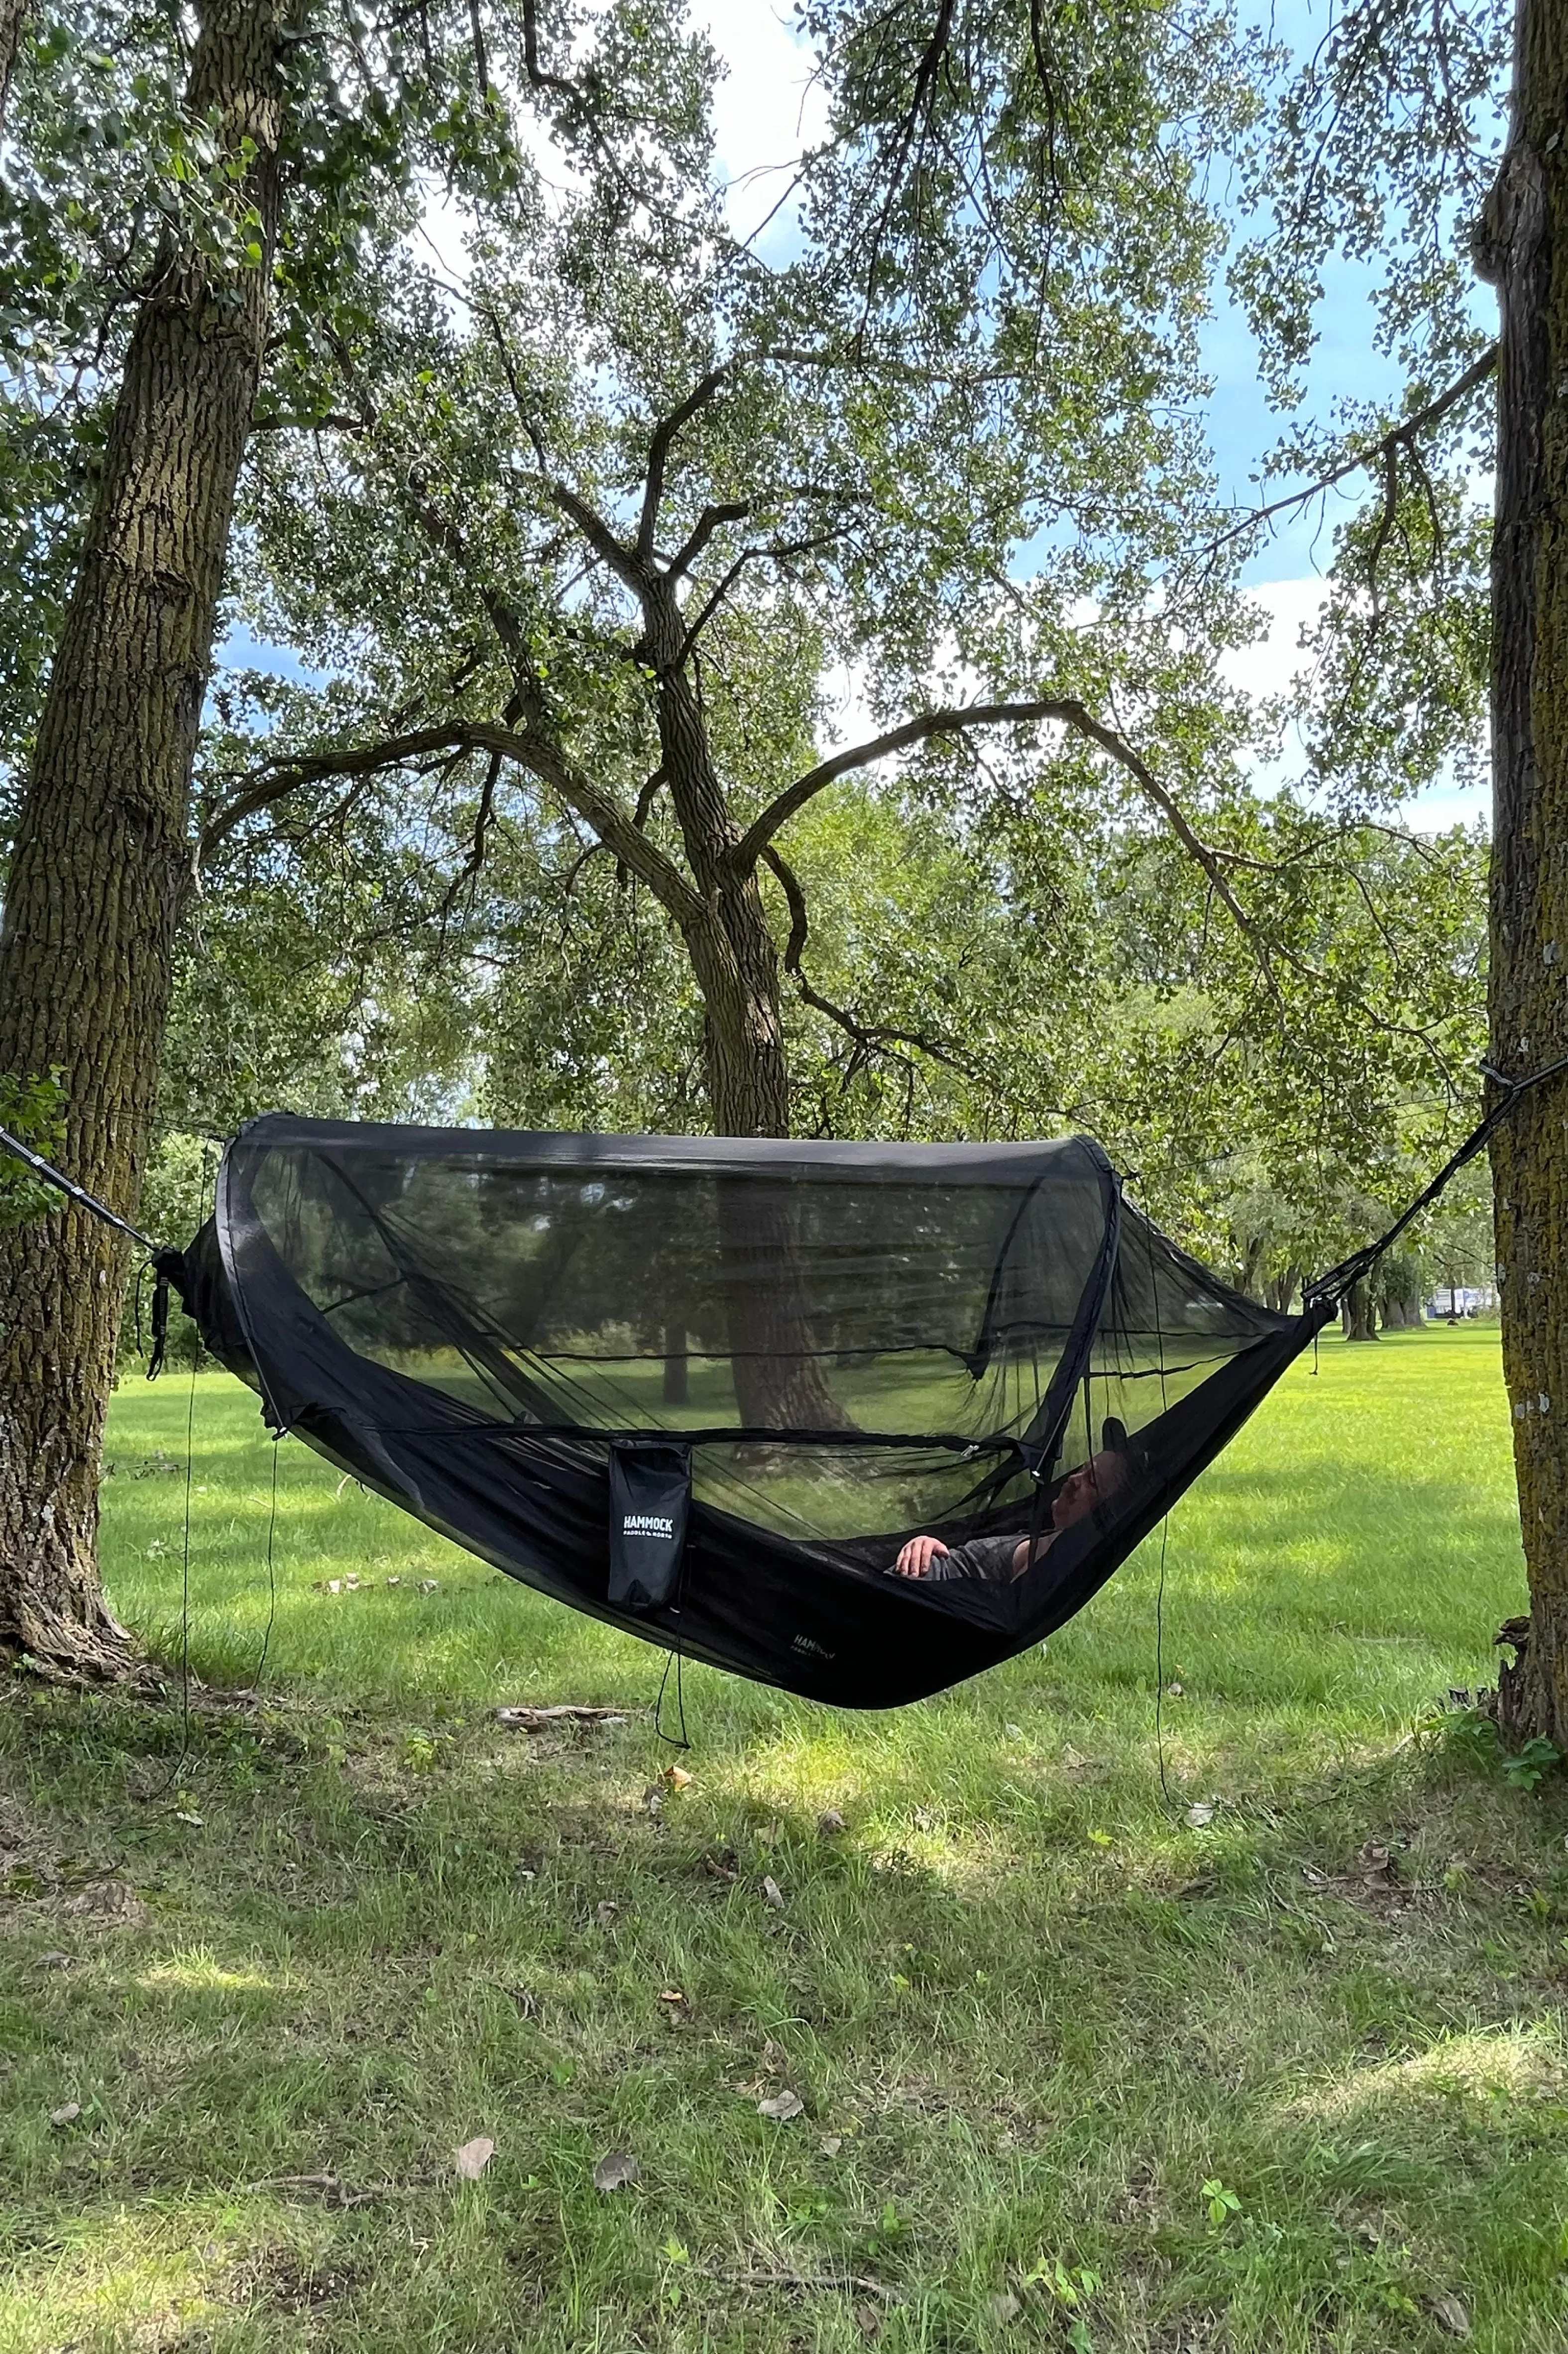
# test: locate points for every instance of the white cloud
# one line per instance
(767, 108)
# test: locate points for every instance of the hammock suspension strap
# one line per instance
(1326, 1292)
(163, 1263)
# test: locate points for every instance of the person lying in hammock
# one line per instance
(1001, 1559)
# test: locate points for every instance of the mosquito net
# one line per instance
(806, 1355)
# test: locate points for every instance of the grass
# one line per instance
(1076, 2071)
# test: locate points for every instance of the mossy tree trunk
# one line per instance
(1524, 247)
(102, 859)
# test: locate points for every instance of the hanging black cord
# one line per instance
(271, 1571)
(1164, 1542)
(671, 1659)
(159, 1337)
(1324, 1290)
(1160, 1668)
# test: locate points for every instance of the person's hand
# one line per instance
(917, 1555)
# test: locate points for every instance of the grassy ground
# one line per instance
(1076, 2071)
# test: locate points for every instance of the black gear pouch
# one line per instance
(650, 1499)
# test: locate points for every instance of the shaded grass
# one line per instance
(1035, 2009)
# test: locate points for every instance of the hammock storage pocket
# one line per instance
(650, 1498)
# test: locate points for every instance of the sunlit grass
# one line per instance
(1031, 2009)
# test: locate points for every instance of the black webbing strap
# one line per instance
(78, 1194)
(1325, 1289)
(165, 1263)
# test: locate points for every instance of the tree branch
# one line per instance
(707, 522)
(530, 747)
(1382, 452)
(627, 566)
(873, 1038)
(664, 433)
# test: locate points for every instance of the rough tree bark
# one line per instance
(102, 860)
(1358, 1313)
(13, 15)
(1523, 247)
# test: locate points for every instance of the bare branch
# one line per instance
(870, 1038)
(529, 746)
(777, 552)
(949, 722)
(623, 562)
(707, 522)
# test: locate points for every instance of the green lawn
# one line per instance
(1033, 2014)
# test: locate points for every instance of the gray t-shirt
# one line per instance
(987, 1557)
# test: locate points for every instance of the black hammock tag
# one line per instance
(650, 1496)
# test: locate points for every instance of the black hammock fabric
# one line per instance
(709, 1389)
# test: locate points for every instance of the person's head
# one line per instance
(1094, 1482)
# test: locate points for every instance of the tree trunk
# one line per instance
(1360, 1316)
(13, 15)
(1524, 246)
(778, 1378)
(101, 860)
(677, 1388)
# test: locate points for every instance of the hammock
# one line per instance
(708, 1389)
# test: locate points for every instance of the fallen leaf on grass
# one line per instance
(654, 1800)
(429, 1586)
(772, 1893)
(830, 1822)
(616, 2173)
(830, 2145)
(474, 2156)
(868, 2321)
(605, 1914)
(670, 1994)
(677, 1777)
(1450, 2314)
(1004, 2306)
(781, 2108)
(1200, 1815)
(66, 2114)
(194, 1820)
